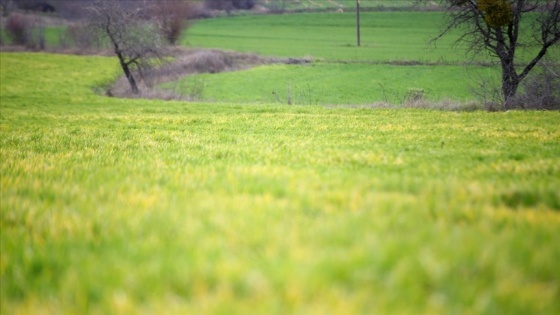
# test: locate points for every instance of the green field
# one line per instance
(136, 206)
(385, 36)
(379, 71)
(336, 84)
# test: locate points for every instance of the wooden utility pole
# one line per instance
(358, 21)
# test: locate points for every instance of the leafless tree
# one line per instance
(172, 17)
(503, 28)
(134, 37)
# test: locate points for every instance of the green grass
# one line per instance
(397, 37)
(136, 206)
(337, 84)
(379, 70)
(386, 36)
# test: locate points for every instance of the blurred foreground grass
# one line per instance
(135, 206)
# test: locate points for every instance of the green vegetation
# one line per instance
(135, 206)
(379, 71)
(386, 36)
(50, 34)
(335, 84)
(394, 62)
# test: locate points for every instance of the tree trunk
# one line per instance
(510, 83)
(128, 74)
(122, 60)
(510, 79)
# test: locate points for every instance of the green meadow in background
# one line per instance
(397, 60)
(336, 84)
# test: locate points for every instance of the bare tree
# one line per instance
(135, 38)
(502, 28)
(172, 17)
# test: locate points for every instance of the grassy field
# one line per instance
(379, 71)
(395, 61)
(386, 36)
(336, 84)
(135, 206)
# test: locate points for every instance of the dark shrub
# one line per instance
(23, 30)
(228, 5)
(79, 36)
(172, 16)
(18, 28)
(541, 89)
(244, 4)
(224, 5)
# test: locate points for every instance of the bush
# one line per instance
(243, 4)
(224, 5)
(540, 89)
(22, 30)
(18, 28)
(172, 16)
(79, 36)
(71, 10)
(229, 5)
